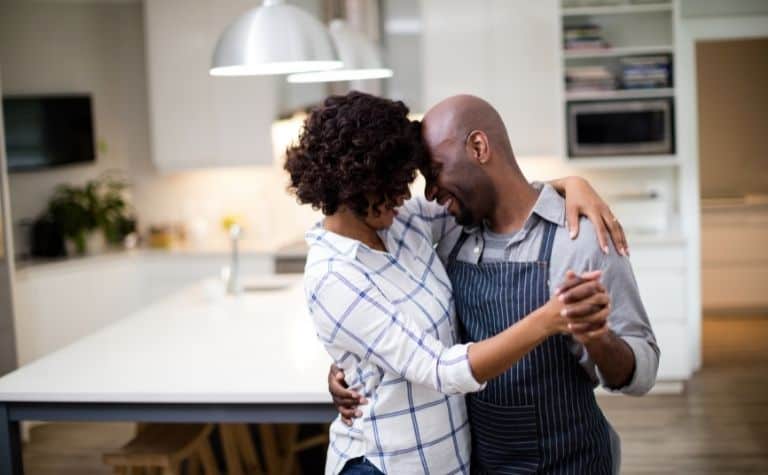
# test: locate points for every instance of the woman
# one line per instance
(381, 300)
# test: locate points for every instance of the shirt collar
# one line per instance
(334, 244)
(338, 245)
(549, 206)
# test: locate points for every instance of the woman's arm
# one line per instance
(584, 299)
(352, 316)
(582, 200)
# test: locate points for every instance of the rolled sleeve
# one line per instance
(646, 367)
(352, 315)
(629, 321)
(454, 369)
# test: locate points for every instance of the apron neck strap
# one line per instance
(547, 241)
(457, 247)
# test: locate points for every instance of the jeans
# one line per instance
(360, 466)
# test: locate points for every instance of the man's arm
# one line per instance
(624, 355)
(609, 352)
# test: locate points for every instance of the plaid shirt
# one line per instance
(388, 320)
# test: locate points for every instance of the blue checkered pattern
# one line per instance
(388, 320)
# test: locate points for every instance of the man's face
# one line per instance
(454, 181)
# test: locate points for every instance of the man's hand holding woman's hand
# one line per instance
(585, 305)
(580, 306)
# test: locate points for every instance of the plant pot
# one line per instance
(95, 243)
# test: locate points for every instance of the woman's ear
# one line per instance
(477, 146)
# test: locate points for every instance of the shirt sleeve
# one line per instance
(352, 315)
(629, 321)
(434, 220)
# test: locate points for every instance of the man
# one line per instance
(541, 415)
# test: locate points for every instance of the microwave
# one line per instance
(625, 127)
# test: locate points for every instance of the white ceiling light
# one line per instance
(361, 58)
(275, 38)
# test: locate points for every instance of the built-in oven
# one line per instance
(621, 127)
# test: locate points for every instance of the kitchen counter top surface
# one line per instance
(196, 346)
(213, 249)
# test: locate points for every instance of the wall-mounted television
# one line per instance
(48, 131)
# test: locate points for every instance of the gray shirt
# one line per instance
(628, 318)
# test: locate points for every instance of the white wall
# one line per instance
(78, 48)
(98, 48)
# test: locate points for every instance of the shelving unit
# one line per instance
(619, 94)
(618, 52)
(626, 161)
(630, 30)
(617, 9)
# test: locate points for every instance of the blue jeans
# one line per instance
(360, 466)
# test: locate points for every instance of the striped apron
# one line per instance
(541, 415)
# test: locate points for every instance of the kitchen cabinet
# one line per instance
(60, 302)
(505, 51)
(197, 120)
(660, 273)
(734, 257)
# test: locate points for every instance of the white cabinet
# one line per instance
(198, 120)
(505, 51)
(734, 258)
(59, 303)
(660, 272)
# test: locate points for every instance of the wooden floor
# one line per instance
(719, 426)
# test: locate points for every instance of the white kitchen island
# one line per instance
(196, 356)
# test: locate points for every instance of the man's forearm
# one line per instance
(614, 358)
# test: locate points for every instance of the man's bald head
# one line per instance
(469, 152)
(454, 118)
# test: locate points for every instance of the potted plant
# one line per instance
(98, 205)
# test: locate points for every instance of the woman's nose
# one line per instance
(430, 191)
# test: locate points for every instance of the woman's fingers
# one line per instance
(590, 275)
(572, 280)
(602, 232)
(616, 231)
(584, 328)
(572, 219)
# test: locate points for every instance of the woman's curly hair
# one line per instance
(357, 151)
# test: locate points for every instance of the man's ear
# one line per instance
(477, 146)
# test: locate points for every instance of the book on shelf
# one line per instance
(589, 78)
(645, 71)
(586, 36)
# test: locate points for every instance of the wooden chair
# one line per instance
(283, 460)
(161, 449)
(239, 452)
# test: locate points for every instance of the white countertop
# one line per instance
(196, 346)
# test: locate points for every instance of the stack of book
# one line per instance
(589, 78)
(585, 36)
(644, 72)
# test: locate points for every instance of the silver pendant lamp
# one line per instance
(275, 38)
(361, 58)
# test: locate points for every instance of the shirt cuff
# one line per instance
(646, 367)
(454, 370)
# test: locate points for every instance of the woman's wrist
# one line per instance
(540, 322)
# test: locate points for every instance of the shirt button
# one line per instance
(477, 249)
